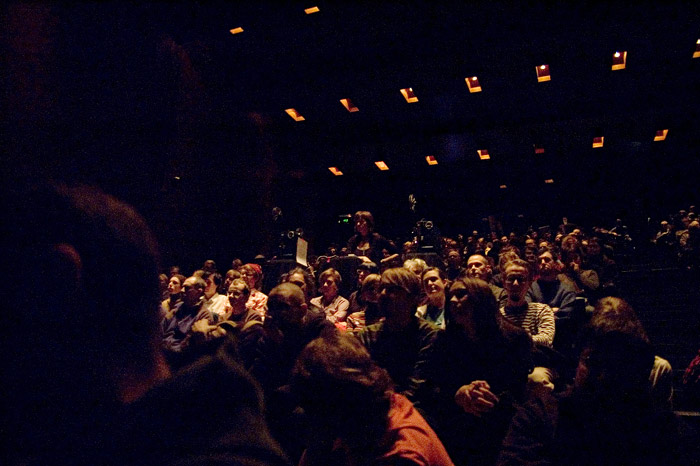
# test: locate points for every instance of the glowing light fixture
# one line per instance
(598, 142)
(381, 165)
(335, 171)
(294, 114)
(473, 84)
(619, 60)
(409, 95)
(661, 135)
(483, 154)
(538, 149)
(312, 10)
(549, 181)
(543, 73)
(503, 186)
(431, 160)
(696, 54)
(347, 103)
(236, 30)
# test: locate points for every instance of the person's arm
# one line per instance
(545, 327)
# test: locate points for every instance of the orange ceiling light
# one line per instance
(543, 73)
(503, 186)
(619, 60)
(696, 54)
(431, 160)
(549, 181)
(473, 84)
(483, 154)
(408, 94)
(294, 114)
(335, 171)
(312, 10)
(538, 149)
(237, 30)
(347, 103)
(660, 135)
(598, 142)
(381, 165)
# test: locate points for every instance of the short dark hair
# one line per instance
(332, 273)
(215, 276)
(367, 216)
(340, 365)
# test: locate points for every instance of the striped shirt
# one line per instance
(537, 319)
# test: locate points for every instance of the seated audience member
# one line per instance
(549, 289)
(177, 330)
(167, 307)
(479, 267)
(368, 301)
(477, 371)
(584, 281)
(364, 269)
(231, 275)
(84, 380)
(507, 254)
(608, 416)
(288, 328)
(213, 302)
(363, 421)
(304, 280)
(416, 266)
(334, 306)
(536, 318)
(366, 243)
(209, 266)
(454, 266)
(616, 314)
(401, 342)
(252, 274)
(433, 280)
(163, 286)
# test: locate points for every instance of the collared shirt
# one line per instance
(216, 305)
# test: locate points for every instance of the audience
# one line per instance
(100, 389)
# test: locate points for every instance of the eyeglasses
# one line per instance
(510, 279)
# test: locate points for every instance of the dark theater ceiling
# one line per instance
(162, 104)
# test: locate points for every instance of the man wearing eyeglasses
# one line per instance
(536, 318)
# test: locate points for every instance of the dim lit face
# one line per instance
(174, 286)
(546, 264)
(460, 306)
(478, 267)
(192, 292)
(453, 259)
(433, 284)
(249, 276)
(362, 227)
(329, 287)
(370, 292)
(361, 274)
(237, 296)
(298, 280)
(516, 282)
(396, 304)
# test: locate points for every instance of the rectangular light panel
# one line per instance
(619, 61)
(312, 10)
(549, 181)
(696, 54)
(431, 160)
(381, 165)
(543, 73)
(538, 149)
(661, 135)
(335, 171)
(294, 114)
(409, 95)
(347, 103)
(503, 186)
(236, 30)
(483, 154)
(473, 84)
(598, 142)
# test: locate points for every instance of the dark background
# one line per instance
(160, 105)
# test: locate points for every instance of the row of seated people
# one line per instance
(85, 380)
(678, 238)
(467, 383)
